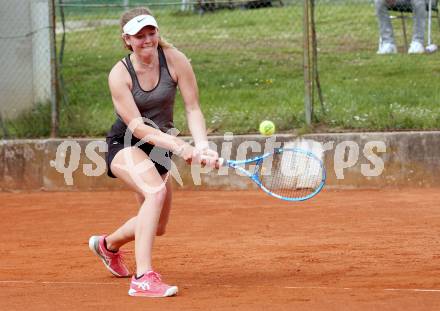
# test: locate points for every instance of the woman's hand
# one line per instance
(210, 158)
(204, 157)
(189, 154)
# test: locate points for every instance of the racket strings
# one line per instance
(291, 174)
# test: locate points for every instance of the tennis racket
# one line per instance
(290, 174)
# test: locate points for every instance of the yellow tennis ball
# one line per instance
(267, 128)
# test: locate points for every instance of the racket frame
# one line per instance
(259, 161)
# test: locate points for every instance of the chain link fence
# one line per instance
(237, 49)
(27, 77)
(248, 57)
(366, 86)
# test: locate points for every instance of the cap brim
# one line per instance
(136, 24)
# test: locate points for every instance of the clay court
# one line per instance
(343, 250)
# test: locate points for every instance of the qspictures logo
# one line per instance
(345, 155)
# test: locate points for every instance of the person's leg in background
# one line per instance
(418, 39)
(386, 41)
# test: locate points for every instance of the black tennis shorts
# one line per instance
(160, 157)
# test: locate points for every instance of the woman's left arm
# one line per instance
(188, 88)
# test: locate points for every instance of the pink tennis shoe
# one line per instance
(151, 285)
(112, 261)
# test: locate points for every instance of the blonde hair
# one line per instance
(127, 16)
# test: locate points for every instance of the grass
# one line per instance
(30, 124)
(249, 68)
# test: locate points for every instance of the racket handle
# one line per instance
(221, 162)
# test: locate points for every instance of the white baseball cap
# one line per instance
(135, 24)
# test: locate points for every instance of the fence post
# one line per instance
(306, 64)
(54, 72)
(125, 3)
(315, 72)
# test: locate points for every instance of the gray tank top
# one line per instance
(156, 104)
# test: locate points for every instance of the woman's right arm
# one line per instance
(126, 108)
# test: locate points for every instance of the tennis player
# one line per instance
(143, 87)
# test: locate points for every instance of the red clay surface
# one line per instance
(343, 250)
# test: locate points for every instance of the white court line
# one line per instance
(413, 289)
(434, 290)
(367, 288)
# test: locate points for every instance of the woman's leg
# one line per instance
(125, 233)
(164, 216)
(122, 235)
(134, 167)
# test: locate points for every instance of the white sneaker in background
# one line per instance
(416, 47)
(387, 48)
